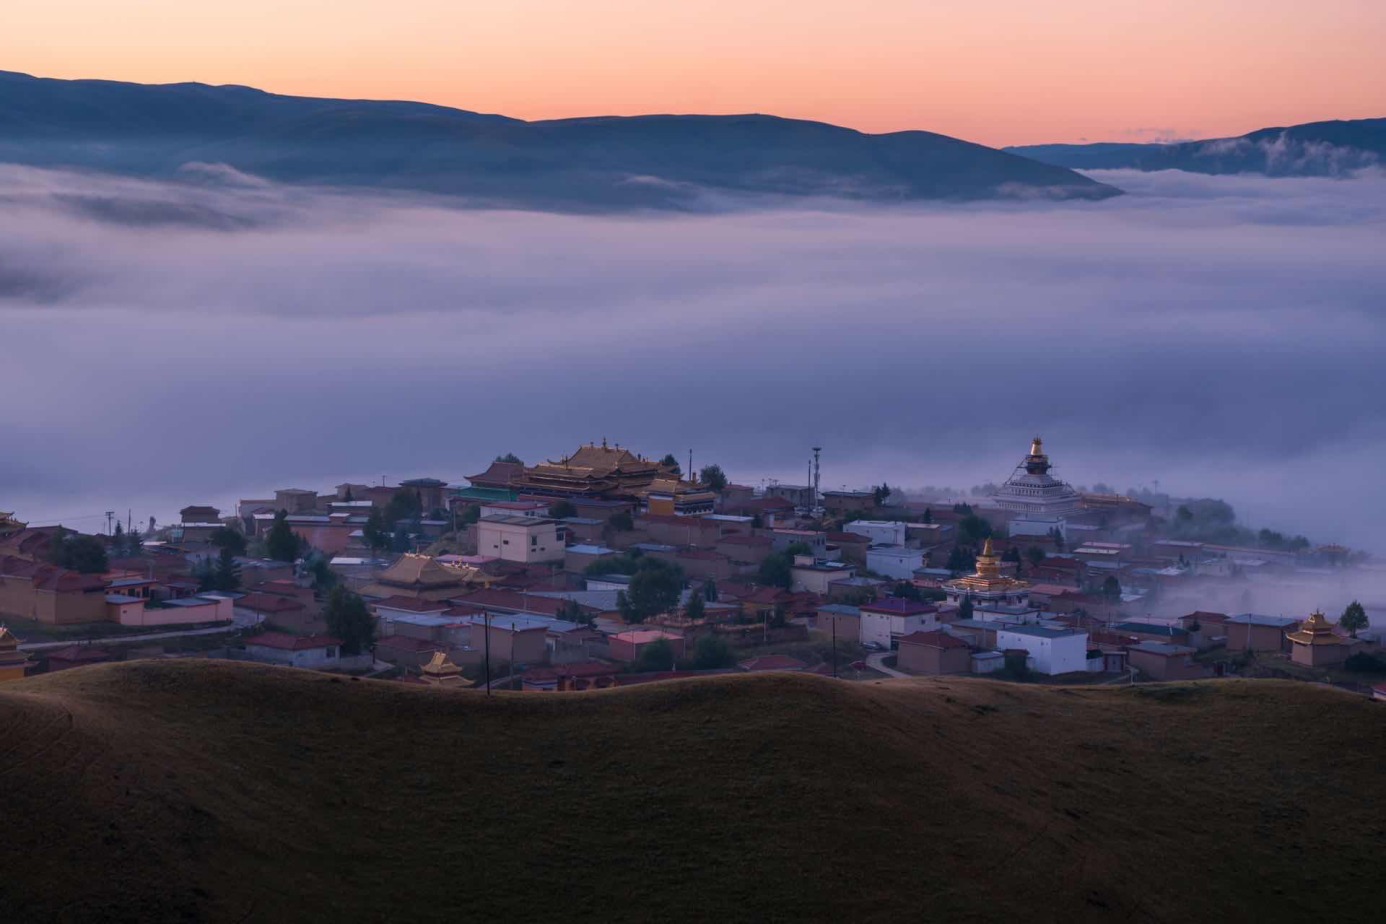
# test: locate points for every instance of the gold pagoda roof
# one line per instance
(1316, 630)
(988, 577)
(440, 666)
(416, 569)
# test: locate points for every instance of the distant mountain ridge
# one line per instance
(659, 161)
(1336, 148)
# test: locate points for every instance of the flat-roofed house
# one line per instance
(1258, 632)
(933, 653)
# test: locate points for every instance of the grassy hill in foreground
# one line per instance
(203, 790)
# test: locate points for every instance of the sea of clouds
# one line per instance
(220, 336)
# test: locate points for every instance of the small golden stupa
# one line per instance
(440, 672)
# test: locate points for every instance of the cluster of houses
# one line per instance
(523, 571)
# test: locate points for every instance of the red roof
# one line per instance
(408, 643)
(899, 606)
(933, 639)
(512, 600)
(268, 603)
(411, 605)
(576, 669)
(773, 663)
(283, 641)
(849, 537)
(743, 539)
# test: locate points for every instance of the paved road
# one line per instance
(876, 661)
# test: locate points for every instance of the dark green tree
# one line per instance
(712, 652)
(374, 533)
(282, 543)
(775, 571)
(84, 554)
(696, 608)
(654, 588)
(404, 505)
(965, 608)
(1035, 555)
(960, 560)
(713, 477)
(710, 591)
(511, 458)
(928, 515)
(562, 510)
(573, 611)
(227, 575)
(350, 620)
(227, 538)
(1111, 588)
(1354, 618)
(671, 463)
(656, 656)
(879, 494)
(972, 529)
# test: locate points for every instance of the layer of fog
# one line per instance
(220, 337)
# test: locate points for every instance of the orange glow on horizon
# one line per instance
(993, 71)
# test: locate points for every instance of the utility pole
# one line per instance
(834, 646)
(110, 517)
(817, 450)
(486, 619)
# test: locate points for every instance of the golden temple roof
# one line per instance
(440, 666)
(988, 577)
(1316, 630)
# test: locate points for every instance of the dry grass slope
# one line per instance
(198, 790)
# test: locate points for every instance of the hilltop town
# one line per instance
(605, 568)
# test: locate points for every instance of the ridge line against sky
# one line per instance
(997, 72)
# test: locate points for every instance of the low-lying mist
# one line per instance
(220, 337)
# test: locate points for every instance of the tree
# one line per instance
(562, 510)
(713, 477)
(1354, 618)
(1035, 555)
(134, 542)
(710, 591)
(84, 554)
(973, 529)
(960, 560)
(572, 611)
(696, 608)
(226, 538)
(775, 570)
(671, 463)
(324, 578)
(905, 591)
(282, 543)
(795, 549)
(227, 575)
(510, 458)
(653, 589)
(656, 656)
(879, 494)
(374, 533)
(404, 505)
(712, 652)
(965, 608)
(1111, 588)
(348, 618)
(779, 617)
(928, 516)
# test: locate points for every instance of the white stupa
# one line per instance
(1034, 494)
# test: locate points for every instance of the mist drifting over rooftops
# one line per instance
(171, 343)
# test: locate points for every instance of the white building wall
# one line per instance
(883, 628)
(894, 561)
(520, 542)
(1060, 654)
(880, 532)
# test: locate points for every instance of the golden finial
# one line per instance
(1037, 447)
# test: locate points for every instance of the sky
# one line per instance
(993, 71)
(218, 337)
